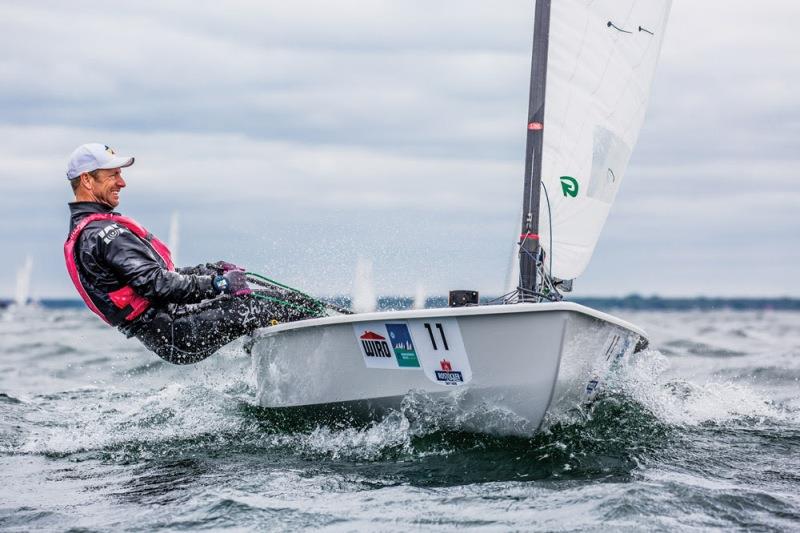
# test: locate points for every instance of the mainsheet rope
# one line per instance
(319, 306)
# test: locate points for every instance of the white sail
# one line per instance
(173, 238)
(601, 60)
(363, 297)
(23, 288)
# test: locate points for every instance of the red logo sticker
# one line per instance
(371, 336)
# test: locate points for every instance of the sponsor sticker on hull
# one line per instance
(441, 351)
(447, 375)
(386, 345)
(374, 344)
(432, 345)
(402, 345)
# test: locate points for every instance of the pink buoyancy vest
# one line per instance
(125, 296)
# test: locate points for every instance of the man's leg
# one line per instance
(191, 333)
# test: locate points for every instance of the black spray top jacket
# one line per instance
(109, 259)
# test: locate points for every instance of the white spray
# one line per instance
(173, 238)
(23, 288)
(363, 295)
(420, 296)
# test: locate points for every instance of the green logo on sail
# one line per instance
(570, 186)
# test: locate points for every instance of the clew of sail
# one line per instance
(601, 60)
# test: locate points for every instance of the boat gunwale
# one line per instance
(409, 314)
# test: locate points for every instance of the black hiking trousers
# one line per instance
(185, 334)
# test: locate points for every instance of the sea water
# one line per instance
(702, 431)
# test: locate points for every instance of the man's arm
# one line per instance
(135, 263)
(199, 270)
(210, 269)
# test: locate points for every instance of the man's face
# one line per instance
(106, 184)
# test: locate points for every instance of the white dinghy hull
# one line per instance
(521, 360)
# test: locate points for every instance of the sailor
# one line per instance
(126, 276)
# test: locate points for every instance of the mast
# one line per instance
(529, 236)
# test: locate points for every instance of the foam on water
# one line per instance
(150, 422)
(391, 434)
(680, 402)
(98, 420)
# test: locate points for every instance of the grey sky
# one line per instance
(295, 136)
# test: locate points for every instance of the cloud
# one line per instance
(235, 168)
(283, 75)
(299, 135)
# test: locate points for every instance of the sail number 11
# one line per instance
(433, 336)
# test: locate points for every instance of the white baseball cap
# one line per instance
(94, 156)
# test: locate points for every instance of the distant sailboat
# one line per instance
(420, 297)
(173, 238)
(23, 288)
(363, 295)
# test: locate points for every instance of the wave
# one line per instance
(641, 416)
(680, 402)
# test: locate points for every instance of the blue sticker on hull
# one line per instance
(402, 345)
